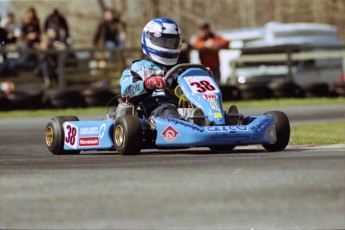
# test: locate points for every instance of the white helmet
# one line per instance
(161, 41)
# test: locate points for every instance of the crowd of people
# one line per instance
(54, 34)
(28, 35)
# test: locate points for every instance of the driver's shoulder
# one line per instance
(144, 64)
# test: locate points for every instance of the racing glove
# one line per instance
(154, 82)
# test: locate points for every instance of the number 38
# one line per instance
(203, 86)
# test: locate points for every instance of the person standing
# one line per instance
(110, 32)
(56, 27)
(30, 38)
(12, 29)
(30, 31)
(208, 44)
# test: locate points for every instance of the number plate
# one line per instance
(201, 84)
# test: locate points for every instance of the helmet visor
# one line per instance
(168, 41)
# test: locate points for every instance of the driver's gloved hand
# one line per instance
(154, 82)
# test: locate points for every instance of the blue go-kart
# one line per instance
(128, 129)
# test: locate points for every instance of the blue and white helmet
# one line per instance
(161, 40)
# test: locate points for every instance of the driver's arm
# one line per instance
(132, 84)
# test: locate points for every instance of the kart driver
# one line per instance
(143, 81)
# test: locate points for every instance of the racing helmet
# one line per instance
(161, 40)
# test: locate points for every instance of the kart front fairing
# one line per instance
(202, 91)
(174, 132)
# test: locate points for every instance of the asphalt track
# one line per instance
(300, 188)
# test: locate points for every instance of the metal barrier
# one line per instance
(125, 56)
(83, 59)
(290, 56)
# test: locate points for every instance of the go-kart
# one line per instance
(127, 129)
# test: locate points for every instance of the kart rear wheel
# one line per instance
(128, 135)
(282, 130)
(222, 148)
(55, 135)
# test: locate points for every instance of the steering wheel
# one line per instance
(184, 66)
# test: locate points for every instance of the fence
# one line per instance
(289, 56)
(78, 67)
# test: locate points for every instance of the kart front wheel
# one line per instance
(55, 135)
(128, 135)
(282, 130)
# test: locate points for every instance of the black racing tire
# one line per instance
(25, 99)
(316, 89)
(4, 103)
(97, 96)
(282, 130)
(128, 135)
(284, 89)
(70, 98)
(55, 135)
(339, 88)
(230, 93)
(254, 91)
(222, 148)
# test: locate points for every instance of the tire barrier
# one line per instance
(230, 93)
(4, 103)
(339, 88)
(285, 90)
(25, 99)
(100, 96)
(70, 98)
(316, 90)
(97, 96)
(254, 91)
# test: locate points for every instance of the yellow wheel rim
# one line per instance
(119, 135)
(49, 136)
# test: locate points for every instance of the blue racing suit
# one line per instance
(155, 102)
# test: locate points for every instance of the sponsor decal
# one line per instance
(170, 134)
(210, 96)
(157, 35)
(217, 115)
(214, 104)
(102, 131)
(88, 141)
(89, 130)
(184, 124)
(258, 127)
(71, 135)
(226, 129)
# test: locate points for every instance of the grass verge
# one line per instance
(327, 133)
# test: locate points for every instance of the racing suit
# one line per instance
(155, 102)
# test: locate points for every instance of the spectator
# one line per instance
(12, 29)
(185, 51)
(110, 32)
(49, 62)
(29, 38)
(209, 44)
(5, 67)
(30, 32)
(3, 36)
(56, 27)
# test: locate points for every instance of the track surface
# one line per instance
(185, 189)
